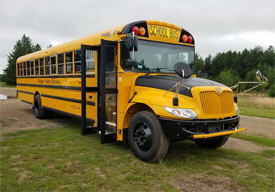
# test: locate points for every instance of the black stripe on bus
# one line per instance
(51, 86)
(68, 99)
(31, 93)
(66, 113)
(56, 76)
(26, 102)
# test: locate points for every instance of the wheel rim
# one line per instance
(143, 137)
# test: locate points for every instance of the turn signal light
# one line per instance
(184, 38)
(135, 29)
(142, 31)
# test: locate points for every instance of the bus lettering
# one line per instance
(165, 32)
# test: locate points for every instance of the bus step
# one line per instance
(106, 133)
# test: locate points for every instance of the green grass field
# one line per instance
(258, 106)
(2, 84)
(256, 112)
(62, 159)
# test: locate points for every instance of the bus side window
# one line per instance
(69, 62)
(90, 61)
(42, 66)
(47, 66)
(36, 67)
(32, 67)
(77, 61)
(21, 70)
(53, 64)
(25, 69)
(17, 69)
(61, 63)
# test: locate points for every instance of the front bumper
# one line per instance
(200, 129)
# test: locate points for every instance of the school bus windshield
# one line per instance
(157, 57)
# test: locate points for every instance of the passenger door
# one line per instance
(89, 89)
(108, 91)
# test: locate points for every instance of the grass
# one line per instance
(250, 111)
(62, 159)
(3, 123)
(261, 140)
(2, 84)
(259, 106)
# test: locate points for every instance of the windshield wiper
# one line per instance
(156, 70)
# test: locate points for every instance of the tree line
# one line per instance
(22, 47)
(231, 67)
(227, 67)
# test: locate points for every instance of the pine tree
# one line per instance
(22, 47)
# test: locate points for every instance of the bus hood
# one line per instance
(166, 82)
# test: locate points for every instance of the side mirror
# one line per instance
(259, 76)
(131, 42)
(182, 70)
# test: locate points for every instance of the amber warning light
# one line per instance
(139, 31)
(186, 38)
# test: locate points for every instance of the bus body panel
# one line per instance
(62, 92)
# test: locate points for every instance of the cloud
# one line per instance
(216, 25)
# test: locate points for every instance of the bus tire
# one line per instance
(146, 137)
(213, 143)
(39, 112)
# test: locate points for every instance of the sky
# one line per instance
(216, 25)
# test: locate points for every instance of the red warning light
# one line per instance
(135, 29)
(189, 39)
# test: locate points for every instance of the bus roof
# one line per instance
(94, 39)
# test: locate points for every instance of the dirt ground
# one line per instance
(16, 115)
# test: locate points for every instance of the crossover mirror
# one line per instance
(131, 42)
(131, 63)
(182, 70)
(259, 76)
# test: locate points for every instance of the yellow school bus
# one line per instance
(133, 83)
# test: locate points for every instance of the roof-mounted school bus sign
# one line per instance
(132, 83)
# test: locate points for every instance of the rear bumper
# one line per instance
(199, 129)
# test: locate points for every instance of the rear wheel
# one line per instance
(146, 137)
(39, 112)
(213, 143)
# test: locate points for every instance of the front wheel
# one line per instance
(213, 143)
(146, 137)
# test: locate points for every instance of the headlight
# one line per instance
(186, 113)
(237, 109)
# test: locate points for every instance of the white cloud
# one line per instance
(216, 25)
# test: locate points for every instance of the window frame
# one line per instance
(36, 61)
(43, 59)
(32, 67)
(68, 63)
(79, 72)
(54, 64)
(48, 66)
(58, 64)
